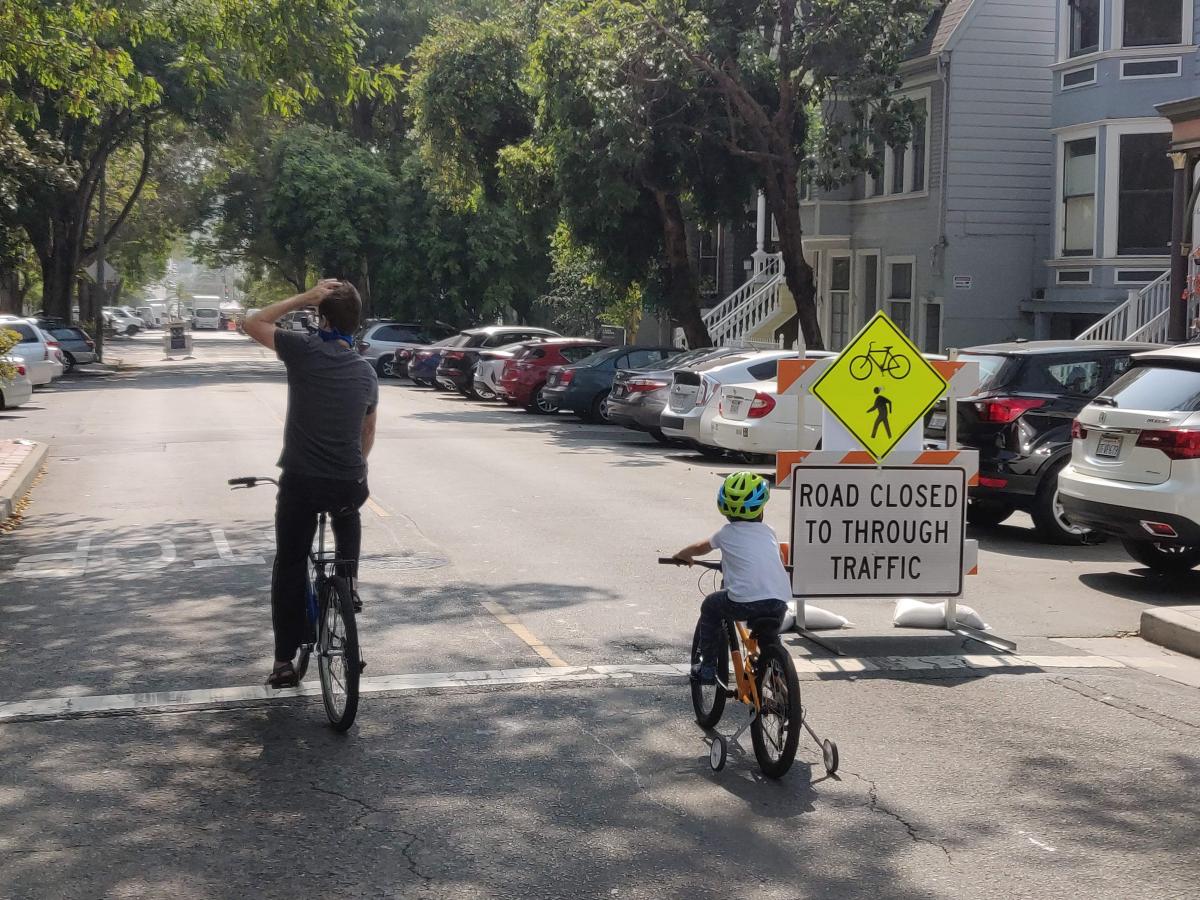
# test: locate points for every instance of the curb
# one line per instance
(1174, 627)
(16, 486)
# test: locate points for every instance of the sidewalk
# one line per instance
(20, 462)
(1174, 627)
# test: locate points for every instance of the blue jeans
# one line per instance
(717, 607)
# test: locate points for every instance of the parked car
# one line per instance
(123, 321)
(456, 370)
(17, 390)
(639, 395)
(752, 418)
(1019, 419)
(39, 352)
(422, 368)
(523, 378)
(206, 317)
(380, 344)
(690, 407)
(583, 387)
(77, 348)
(1135, 461)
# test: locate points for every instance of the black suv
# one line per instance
(1020, 422)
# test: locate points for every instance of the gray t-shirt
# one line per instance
(330, 391)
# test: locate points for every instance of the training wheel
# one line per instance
(830, 752)
(716, 753)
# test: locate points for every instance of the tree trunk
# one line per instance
(12, 292)
(683, 292)
(783, 202)
(60, 266)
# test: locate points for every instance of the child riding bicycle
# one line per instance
(756, 584)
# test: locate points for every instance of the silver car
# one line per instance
(384, 344)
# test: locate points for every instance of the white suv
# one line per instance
(40, 354)
(1135, 461)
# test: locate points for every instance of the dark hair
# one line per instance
(342, 307)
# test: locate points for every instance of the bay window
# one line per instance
(1144, 195)
(839, 302)
(900, 294)
(1084, 26)
(1152, 23)
(1079, 197)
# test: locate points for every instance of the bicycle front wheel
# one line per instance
(338, 656)
(776, 730)
(861, 368)
(708, 701)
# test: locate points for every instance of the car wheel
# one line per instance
(657, 434)
(1164, 559)
(383, 366)
(68, 363)
(438, 386)
(541, 404)
(598, 411)
(131, 331)
(1048, 517)
(987, 513)
(709, 452)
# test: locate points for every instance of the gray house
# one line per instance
(1115, 60)
(952, 240)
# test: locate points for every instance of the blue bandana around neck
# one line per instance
(332, 334)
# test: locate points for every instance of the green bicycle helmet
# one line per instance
(743, 496)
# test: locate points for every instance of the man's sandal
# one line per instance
(283, 676)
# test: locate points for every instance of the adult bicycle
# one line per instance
(764, 679)
(888, 363)
(332, 630)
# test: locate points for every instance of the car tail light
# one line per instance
(454, 354)
(641, 385)
(20, 370)
(90, 344)
(761, 407)
(1078, 432)
(984, 481)
(405, 354)
(1002, 410)
(567, 376)
(1176, 443)
(1159, 529)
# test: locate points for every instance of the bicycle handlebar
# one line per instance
(703, 563)
(250, 481)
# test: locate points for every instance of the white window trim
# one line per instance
(1178, 73)
(1062, 86)
(1064, 34)
(889, 158)
(826, 318)
(1117, 275)
(913, 301)
(1118, 32)
(1126, 53)
(1058, 280)
(1112, 173)
(1064, 137)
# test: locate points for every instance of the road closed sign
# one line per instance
(867, 531)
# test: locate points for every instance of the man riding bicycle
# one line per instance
(333, 395)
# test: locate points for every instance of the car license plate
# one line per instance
(937, 421)
(619, 391)
(735, 406)
(1109, 446)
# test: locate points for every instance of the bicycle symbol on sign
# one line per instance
(883, 359)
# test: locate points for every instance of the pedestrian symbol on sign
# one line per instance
(882, 407)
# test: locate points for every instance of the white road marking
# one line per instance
(1039, 844)
(205, 698)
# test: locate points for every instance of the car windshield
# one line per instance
(206, 313)
(1157, 388)
(990, 365)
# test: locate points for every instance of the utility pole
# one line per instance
(101, 291)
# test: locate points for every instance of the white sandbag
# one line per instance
(815, 618)
(912, 613)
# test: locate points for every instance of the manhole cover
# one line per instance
(402, 563)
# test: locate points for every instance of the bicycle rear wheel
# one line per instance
(708, 701)
(338, 656)
(776, 730)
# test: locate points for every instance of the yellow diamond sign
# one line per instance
(880, 386)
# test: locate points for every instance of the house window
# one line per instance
(1144, 195)
(903, 168)
(1079, 197)
(900, 294)
(1151, 23)
(869, 272)
(933, 328)
(1074, 276)
(877, 183)
(839, 301)
(919, 140)
(1085, 26)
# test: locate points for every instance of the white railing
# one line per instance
(1136, 315)
(1156, 330)
(750, 306)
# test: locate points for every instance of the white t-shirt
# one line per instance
(751, 563)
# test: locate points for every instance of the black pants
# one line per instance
(717, 607)
(300, 499)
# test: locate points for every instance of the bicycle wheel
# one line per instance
(776, 730)
(861, 367)
(337, 654)
(899, 367)
(708, 701)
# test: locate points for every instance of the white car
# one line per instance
(691, 402)
(491, 366)
(18, 389)
(125, 322)
(751, 417)
(39, 353)
(206, 317)
(1135, 461)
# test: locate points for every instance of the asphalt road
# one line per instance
(497, 541)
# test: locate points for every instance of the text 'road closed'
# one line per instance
(863, 531)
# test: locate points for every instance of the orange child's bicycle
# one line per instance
(764, 679)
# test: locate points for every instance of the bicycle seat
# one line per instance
(765, 628)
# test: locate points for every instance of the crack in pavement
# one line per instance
(626, 764)
(874, 806)
(1128, 706)
(407, 851)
